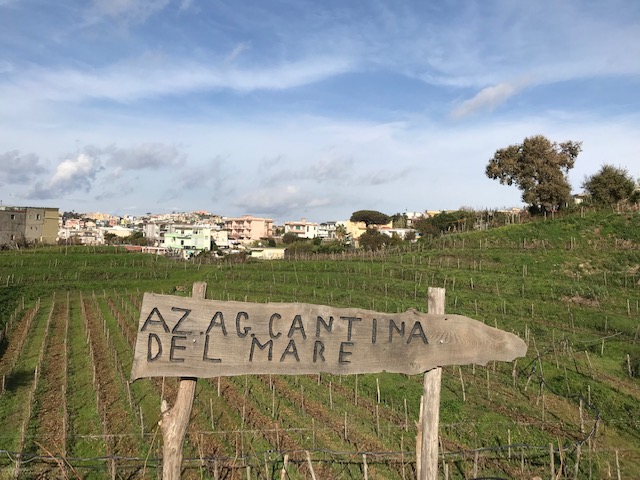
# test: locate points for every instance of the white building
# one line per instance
(302, 229)
(327, 230)
(400, 232)
(85, 236)
(192, 239)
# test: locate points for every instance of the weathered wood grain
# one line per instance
(188, 337)
(175, 420)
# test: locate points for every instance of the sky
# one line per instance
(293, 109)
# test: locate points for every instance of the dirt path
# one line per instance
(50, 417)
(118, 424)
(16, 342)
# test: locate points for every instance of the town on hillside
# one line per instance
(184, 235)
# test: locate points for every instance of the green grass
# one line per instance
(84, 420)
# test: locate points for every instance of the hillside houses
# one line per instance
(187, 234)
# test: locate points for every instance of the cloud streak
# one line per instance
(488, 98)
(165, 77)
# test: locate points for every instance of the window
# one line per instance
(37, 216)
(13, 217)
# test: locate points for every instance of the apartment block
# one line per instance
(28, 225)
(248, 228)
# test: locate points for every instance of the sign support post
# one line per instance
(175, 420)
(428, 423)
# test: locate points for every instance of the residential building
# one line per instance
(154, 232)
(399, 232)
(248, 228)
(74, 223)
(302, 229)
(102, 217)
(118, 231)
(413, 217)
(84, 236)
(327, 230)
(192, 239)
(354, 229)
(28, 225)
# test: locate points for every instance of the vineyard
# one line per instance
(571, 409)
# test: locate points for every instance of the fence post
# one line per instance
(313, 474)
(175, 420)
(427, 454)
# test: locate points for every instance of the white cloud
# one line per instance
(77, 169)
(72, 174)
(162, 77)
(487, 99)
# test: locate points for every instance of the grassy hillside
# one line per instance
(570, 288)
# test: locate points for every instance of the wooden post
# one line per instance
(283, 473)
(365, 467)
(175, 420)
(313, 474)
(427, 466)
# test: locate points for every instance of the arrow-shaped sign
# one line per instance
(186, 337)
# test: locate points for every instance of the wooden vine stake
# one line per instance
(428, 424)
(175, 420)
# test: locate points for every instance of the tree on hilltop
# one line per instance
(370, 217)
(539, 168)
(609, 186)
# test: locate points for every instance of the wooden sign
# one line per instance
(188, 337)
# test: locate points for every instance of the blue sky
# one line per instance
(296, 108)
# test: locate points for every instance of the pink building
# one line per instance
(74, 223)
(248, 228)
